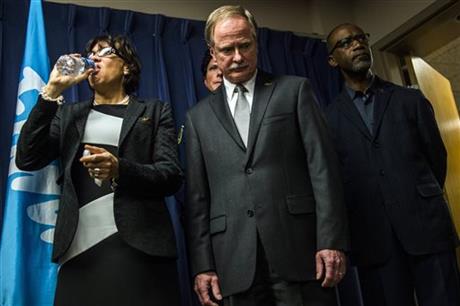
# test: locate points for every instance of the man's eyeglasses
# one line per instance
(347, 42)
(104, 52)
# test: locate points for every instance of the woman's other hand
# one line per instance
(101, 164)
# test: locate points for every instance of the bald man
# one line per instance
(393, 165)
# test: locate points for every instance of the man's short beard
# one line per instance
(362, 66)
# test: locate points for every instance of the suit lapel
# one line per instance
(262, 93)
(382, 97)
(219, 105)
(349, 110)
(133, 111)
(79, 111)
(81, 114)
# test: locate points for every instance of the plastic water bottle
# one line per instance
(86, 152)
(69, 65)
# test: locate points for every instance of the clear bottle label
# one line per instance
(69, 65)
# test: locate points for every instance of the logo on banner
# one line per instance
(38, 190)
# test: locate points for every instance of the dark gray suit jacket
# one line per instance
(148, 169)
(394, 177)
(285, 187)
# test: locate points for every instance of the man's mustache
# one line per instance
(236, 66)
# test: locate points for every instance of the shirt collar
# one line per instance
(369, 90)
(230, 87)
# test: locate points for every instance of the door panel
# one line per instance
(438, 90)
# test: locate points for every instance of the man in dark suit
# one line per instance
(265, 216)
(393, 165)
(212, 76)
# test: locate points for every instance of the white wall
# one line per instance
(381, 17)
(378, 17)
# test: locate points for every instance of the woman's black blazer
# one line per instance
(149, 169)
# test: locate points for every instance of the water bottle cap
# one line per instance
(89, 63)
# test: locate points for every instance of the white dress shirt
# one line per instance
(232, 96)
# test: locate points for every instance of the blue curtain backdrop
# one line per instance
(171, 51)
(32, 197)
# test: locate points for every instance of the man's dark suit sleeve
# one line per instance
(332, 226)
(197, 210)
(431, 141)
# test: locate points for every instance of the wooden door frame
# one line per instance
(424, 33)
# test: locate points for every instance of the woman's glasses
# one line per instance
(104, 52)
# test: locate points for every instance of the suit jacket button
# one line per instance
(249, 170)
(382, 172)
(250, 213)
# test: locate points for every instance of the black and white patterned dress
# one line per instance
(99, 268)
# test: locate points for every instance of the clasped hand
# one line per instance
(330, 265)
(207, 288)
(101, 164)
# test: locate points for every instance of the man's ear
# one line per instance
(332, 62)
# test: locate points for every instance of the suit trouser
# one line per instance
(433, 277)
(268, 289)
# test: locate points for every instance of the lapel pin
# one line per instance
(268, 84)
(146, 120)
(180, 135)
